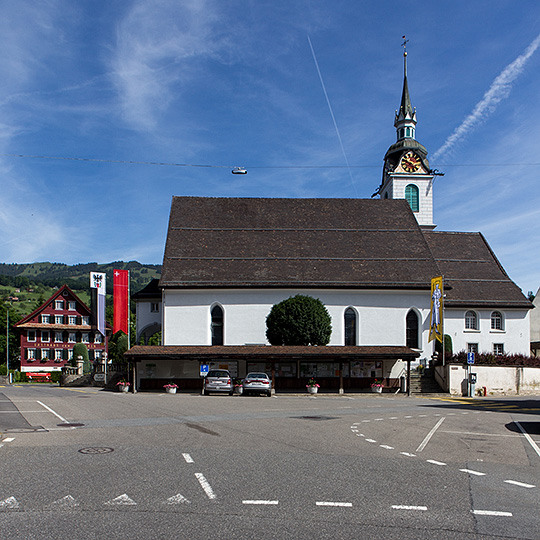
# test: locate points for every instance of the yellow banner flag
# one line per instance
(436, 317)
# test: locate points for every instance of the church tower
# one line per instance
(406, 173)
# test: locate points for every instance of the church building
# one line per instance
(227, 261)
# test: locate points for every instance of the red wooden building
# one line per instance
(49, 333)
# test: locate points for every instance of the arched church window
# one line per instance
(217, 325)
(471, 322)
(497, 321)
(412, 330)
(350, 327)
(412, 196)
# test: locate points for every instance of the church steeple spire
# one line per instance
(405, 120)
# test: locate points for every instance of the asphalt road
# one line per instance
(85, 463)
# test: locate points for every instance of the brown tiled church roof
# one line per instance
(311, 243)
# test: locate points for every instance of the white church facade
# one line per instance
(227, 261)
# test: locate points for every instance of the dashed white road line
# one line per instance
(520, 484)
(474, 473)
(9, 439)
(329, 503)
(205, 485)
(188, 458)
(386, 447)
(408, 454)
(491, 513)
(435, 462)
(405, 507)
(261, 502)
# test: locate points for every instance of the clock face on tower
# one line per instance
(410, 162)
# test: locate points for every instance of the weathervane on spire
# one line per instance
(404, 45)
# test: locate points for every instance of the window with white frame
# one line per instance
(58, 337)
(58, 355)
(31, 354)
(45, 336)
(70, 354)
(72, 319)
(497, 322)
(72, 306)
(58, 319)
(45, 355)
(85, 337)
(72, 337)
(472, 347)
(31, 335)
(98, 338)
(498, 348)
(98, 355)
(58, 304)
(45, 319)
(86, 320)
(471, 321)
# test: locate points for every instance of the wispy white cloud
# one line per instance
(499, 90)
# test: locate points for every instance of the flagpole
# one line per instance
(442, 322)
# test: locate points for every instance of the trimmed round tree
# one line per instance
(80, 349)
(299, 320)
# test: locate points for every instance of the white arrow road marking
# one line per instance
(177, 499)
(10, 502)
(404, 507)
(260, 502)
(328, 503)
(188, 458)
(520, 484)
(475, 473)
(491, 513)
(122, 500)
(67, 502)
(205, 485)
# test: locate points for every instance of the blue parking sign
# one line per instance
(470, 358)
(204, 370)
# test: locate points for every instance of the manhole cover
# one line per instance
(70, 425)
(96, 450)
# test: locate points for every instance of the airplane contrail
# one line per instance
(499, 90)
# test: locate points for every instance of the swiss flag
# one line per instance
(121, 300)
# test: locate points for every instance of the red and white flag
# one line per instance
(121, 300)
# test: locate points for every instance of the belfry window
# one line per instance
(412, 196)
(217, 325)
(350, 327)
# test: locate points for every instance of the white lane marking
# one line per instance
(528, 437)
(520, 484)
(177, 499)
(408, 454)
(435, 462)
(188, 458)
(408, 417)
(329, 503)
(53, 412)
(67, 502)
(386, 447)
(360, 435)
(491, 513)
(393, 418)
(365, 421)
(378, 419)
(405, 507)
(423, 444)
(264, 502)
(475, 473)
(122, 500)
(371, 440)
(10, 502)
(205, 485)
(480, 433)
(9, 439)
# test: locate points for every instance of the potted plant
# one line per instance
(170, 388)
(238, 388)
(377, 386)
(123, 386)
(312, 386)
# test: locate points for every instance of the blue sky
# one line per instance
(208, 82)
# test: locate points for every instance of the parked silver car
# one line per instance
(218, 380)
(257, 383)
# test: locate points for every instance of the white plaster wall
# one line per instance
(515, 336)
(424, 216)
(381, 315)
(497, 380)
(146, 317)
(535, 318)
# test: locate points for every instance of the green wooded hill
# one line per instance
(24, 286)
